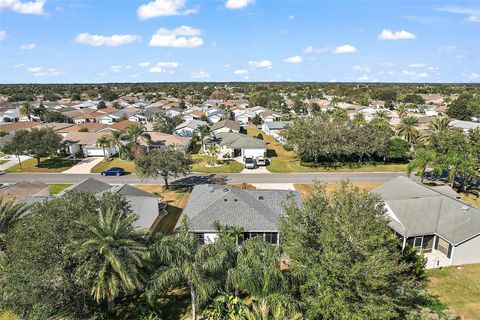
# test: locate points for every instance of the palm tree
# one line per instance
(26, 110)
(439, 124)
(116, 140)
(133, 133)
(407, 129)
(359, 118)
(213, 150)
(40, 111)
(402, 111)
(269, 309)
(111, 255)
(422, 158)
(10, 213)
(187, 261)
(104, 142)
(204, 132)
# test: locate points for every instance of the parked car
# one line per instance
(249, 163)
(115, 171)
(261, 161)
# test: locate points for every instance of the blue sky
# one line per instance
(78, 41)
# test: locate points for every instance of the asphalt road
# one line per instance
(207, 178)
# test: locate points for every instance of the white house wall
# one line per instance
(210, 237)
(467, 252)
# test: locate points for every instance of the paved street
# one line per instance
(206, 178)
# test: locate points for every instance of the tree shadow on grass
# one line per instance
(56, 163)
(271, 153)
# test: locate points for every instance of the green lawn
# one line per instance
(227, 166)
(55, 164)
(128, 166)
(282, 160)
(3, 161)
(57, 188)
(458, 289)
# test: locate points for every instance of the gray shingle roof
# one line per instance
(230, 124)
(253, 210)
(276, 125)
(421, 210)
(237, 141)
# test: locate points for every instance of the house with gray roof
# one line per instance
(256, 211)
(144, 204)
(232, 145)
(187, 128)
(273, 129)
(442, 227)
(225, 126)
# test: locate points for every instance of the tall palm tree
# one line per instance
(10, 213)
(204, 132)
(266, 309)
(407, 129)
(402, 111)
(104, 142)
(111, 254)
(439, 124)
(116, 140)
(381, 117)
(26, 110)
(187, 261)
(133, 133)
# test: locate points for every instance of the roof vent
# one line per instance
(465, 207)
(260, 197)
(225, 199)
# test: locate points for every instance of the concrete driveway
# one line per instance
(11, 161)
(84, 166)
(255, 171)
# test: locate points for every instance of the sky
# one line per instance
(84, 41)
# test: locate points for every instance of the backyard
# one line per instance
(458, 288)
(53, 165)
(282, 160)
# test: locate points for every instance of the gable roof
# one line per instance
(123, 124)
(229, 124)
(237, 141)
(192, 124)
(275, 125)
(420, 210)
(22, 189)
(253, 210)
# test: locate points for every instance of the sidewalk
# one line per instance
(84, 166)
(12, 160)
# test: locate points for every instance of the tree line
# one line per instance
(79, 257)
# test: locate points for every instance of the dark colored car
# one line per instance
(115, 171)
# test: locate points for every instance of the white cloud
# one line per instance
(135, 75)
(291, 17)
(41, 72)
(346, 48)
(181, 37)
(3, 35)
(362, 68)
(363, 78)
(238, 4)
(261, 64)
(143, 64)
(294, 59)
(226, 66)
(448, 49)
(19, 65)
(162, 8)
(164, 67)
(312, 49)
(111, 41)
(118, 68)
(413, 74)
(240, 72)
(417, 65)
(200, 74)
(29, 46)
(31, 7)
(395, 35)
(474, 76)
(473, 15)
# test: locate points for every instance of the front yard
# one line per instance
(127, 165)
(54, 189)
(52, 165)
(227, 166)
(282, 160)
(458, 289)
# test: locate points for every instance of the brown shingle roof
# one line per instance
(91, 126)
(22, 189)
(15, 126)
(119, 126)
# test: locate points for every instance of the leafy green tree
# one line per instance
(109, 95)
(407, 129)
(101, 105)
(43, 142)
(335, 242)
(204, 131)
(166, 162)
(10, 213)
(40, 111)
(464, 107)
(257, 120)
(398, 149)
(111, 254)
(414, 98)
(165, 123)
(76, 96)
(421, 160)
(54, 116)
(19, 145)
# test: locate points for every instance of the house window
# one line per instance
(417, 243)
(427, 243)
(444, 247)
(201, 237)
(271, 237)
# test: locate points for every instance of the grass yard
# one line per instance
(282, 160)
(127, 165)
(458, 289)
(55, 164)
(175, 305)
(57, 188)
(3, 161)
(176, 197)
(305, 189)
(228, 166)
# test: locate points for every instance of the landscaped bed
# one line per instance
(56, 164)
(127, 165)
(282, 160)
(226, 166)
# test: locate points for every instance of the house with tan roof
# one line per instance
(159, 140)
(86, 143)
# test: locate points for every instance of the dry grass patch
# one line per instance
(471, 199)
(305, 189)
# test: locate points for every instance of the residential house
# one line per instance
(214, 115)
(86, 143)
(85, 127)
(22, 190)
(225, 126)
(159, 140)
(232, 145)
(11, 115)
(89, 104)
(193, 114)
(445, 229)
(273, 129)
(244, 116)
(122, 125)
(187, 128)
(257, 212)
(270, 115)
(464, 125)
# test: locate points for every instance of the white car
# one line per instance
(261, 161)
(249, 163)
